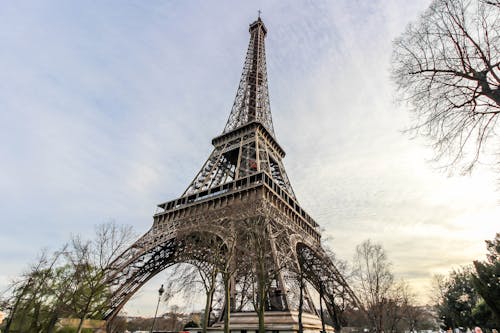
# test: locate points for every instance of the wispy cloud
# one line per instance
(108, 109)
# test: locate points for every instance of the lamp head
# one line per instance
(161, 291)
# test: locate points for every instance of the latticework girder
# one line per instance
(247, 151)
(252, 98)
(239, 214)
(320, 271)
(180, 236)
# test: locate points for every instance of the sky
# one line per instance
(107, 108)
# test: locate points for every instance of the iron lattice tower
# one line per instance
(243, 184)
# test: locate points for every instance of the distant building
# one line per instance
(2, 316)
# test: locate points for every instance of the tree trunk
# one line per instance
(34, 320)
(13, 313)
(262, 323)
(80, 324)
(86, 311)
(208, 307)
(301, 301)
(261, 308)
(321, 310)
(336, 320)
(227, 300)
(379, 326)
(52, 323)
(334, 314)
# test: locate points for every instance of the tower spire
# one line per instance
(252, 97)
(247, 145)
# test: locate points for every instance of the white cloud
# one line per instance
(107, 111)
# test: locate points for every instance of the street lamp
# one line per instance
(160, 292)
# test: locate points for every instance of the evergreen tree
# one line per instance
(486, 280)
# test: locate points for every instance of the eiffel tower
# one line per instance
(242, 183)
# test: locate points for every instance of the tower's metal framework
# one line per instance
(243, 180)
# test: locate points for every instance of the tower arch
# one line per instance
(149, 256)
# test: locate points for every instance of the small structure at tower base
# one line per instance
(275, 321)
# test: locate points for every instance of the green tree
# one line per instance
(68, 283)
(483, 315)
(486, 279)
(459, 303)
(39, 296)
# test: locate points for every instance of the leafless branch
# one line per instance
(446, 68)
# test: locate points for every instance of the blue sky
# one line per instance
(107, 108)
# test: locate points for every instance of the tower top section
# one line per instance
(258, 24)
(252, 98)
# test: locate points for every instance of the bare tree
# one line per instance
(227, 268)
(205, 253)
(374, 283)
(212, 263)
(207, 275)
(207, 269)
(447, 68)
(91, 263)
(259, 264)
(302, 285)
(400, 312)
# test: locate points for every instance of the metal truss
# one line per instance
(320, 271)
(178, 237)
(252, 98)
(247, 151)
(243, 186)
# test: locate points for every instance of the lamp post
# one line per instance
(160, 292)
